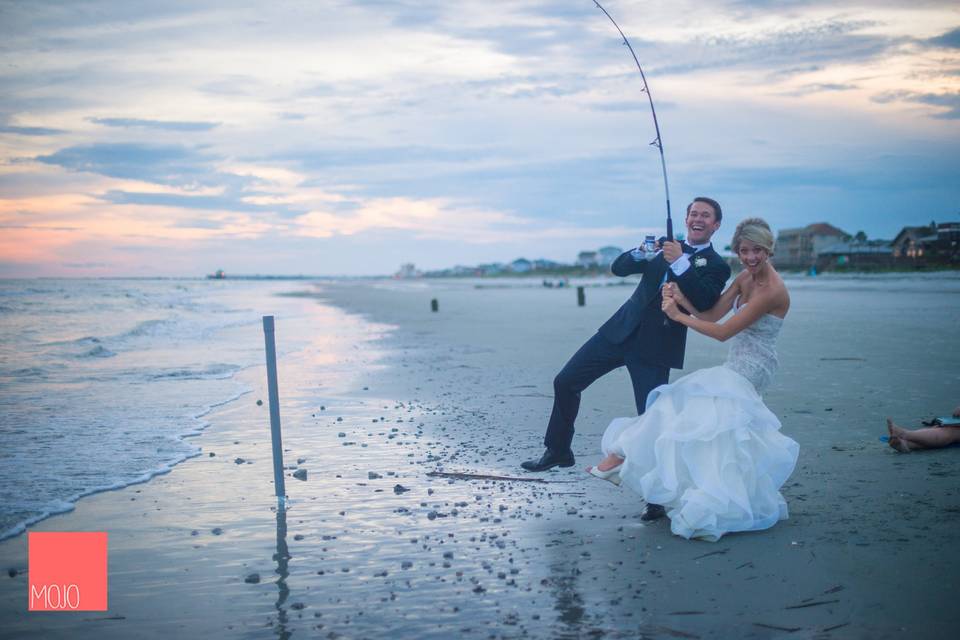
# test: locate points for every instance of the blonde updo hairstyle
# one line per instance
(757, 231)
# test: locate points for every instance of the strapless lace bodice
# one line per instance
(753, 351)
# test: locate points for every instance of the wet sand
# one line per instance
(868, 550)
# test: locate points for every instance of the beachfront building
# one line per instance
(587, 259)
(946, 249)
(521, 265)
(798, 248)
(606, 255)
(491, 269)
(907, 243)
(856, 255)
(463, 270)
(542, 264)
(407, 270)
(930, 244)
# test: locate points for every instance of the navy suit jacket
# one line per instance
(639, 324)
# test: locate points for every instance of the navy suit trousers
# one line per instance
(596, 358)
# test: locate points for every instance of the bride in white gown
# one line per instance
(707, 448)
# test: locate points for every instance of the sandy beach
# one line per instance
(372, 546)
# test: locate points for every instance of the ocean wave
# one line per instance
(27, 372)
(150, 328)
(82, 342)
(214, 371)
(14, 292)
(98, 351)
(109, 422)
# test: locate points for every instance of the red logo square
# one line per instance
(68, 571)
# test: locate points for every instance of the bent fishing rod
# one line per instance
(658, 142)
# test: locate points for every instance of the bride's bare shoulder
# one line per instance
(779, 293)
(779, 285)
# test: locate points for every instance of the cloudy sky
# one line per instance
(336, 137)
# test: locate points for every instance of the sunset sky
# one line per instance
(177, 138)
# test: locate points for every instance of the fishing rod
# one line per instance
(658, 142)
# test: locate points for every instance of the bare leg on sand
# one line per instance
(905, 440)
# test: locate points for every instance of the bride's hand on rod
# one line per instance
(673, 291)
(669, 307)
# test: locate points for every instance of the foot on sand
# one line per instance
(897, 441)
(609, 462)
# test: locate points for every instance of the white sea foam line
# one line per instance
(69, 504)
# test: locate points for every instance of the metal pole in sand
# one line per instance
(274, 394)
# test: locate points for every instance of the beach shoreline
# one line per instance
(468, 390)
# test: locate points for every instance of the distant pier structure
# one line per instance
(218, 275)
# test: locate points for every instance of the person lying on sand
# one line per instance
(906, 440)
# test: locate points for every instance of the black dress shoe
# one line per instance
(652, 512)
(551, 458)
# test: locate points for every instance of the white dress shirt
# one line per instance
(679, 266)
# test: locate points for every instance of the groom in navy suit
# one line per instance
(638, 335)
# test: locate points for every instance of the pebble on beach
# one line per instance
(259, 403)
(253, 578)
(300, 474)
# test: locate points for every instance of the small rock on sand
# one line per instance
(399, 488)
(253, 578)
(300, 474)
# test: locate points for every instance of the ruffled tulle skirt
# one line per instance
(708, 450)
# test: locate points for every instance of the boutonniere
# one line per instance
(700, 262)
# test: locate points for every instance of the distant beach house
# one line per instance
(219, 275)
(606, 255)
(408, 270)
(798, 248)
(934, 243)
(521, 265)
(463, 270)
(490, 269)
(856, 254)
(909, 242)
(947, 245)
(587, 259)
(541, 264)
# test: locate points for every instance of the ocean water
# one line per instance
(102, 382)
